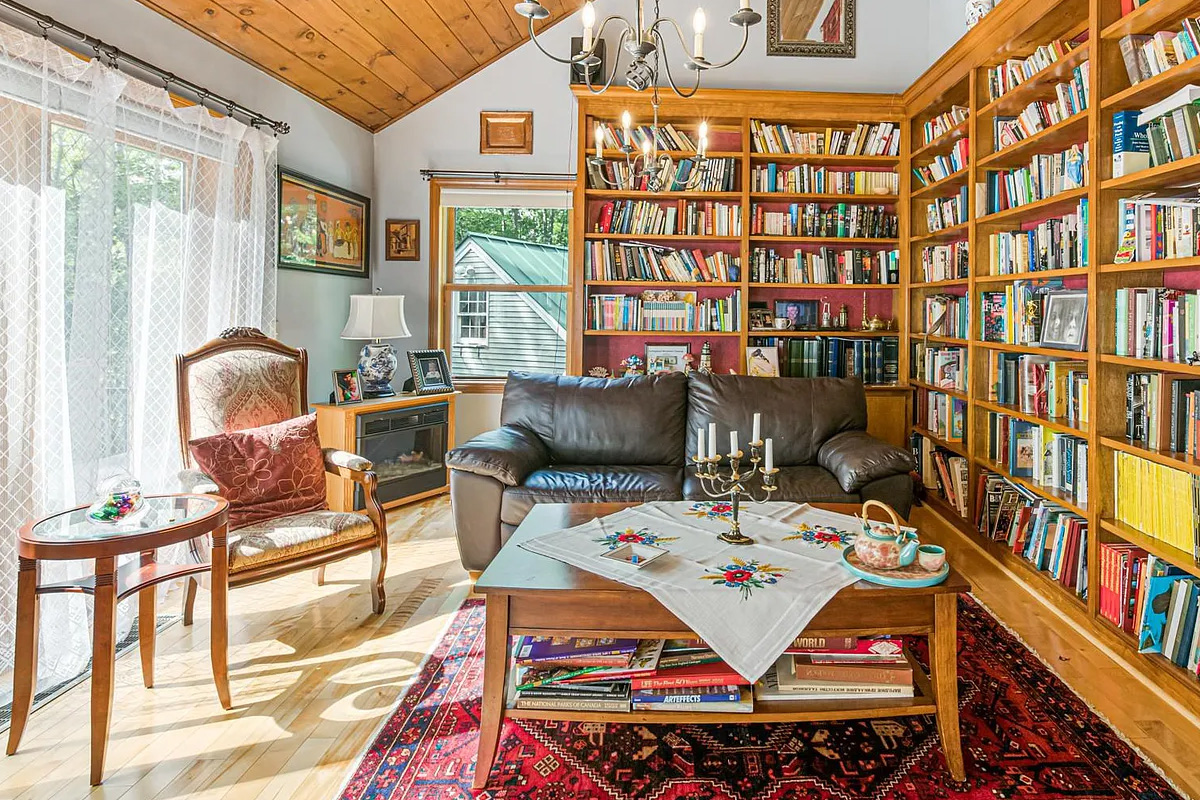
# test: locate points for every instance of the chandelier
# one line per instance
(656, 170)
(645, 40)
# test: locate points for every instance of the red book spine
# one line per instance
(666, 681)
(897, 675)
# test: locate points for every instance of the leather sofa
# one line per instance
(566, 439)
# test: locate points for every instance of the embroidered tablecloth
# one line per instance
(748, 602)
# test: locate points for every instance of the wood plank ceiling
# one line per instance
(372, 61)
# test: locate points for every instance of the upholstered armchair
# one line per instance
(241, 380)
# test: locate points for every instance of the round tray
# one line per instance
(912, 575)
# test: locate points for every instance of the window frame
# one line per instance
(480, 308)
(442, 287)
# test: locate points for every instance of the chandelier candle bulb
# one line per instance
(589, 22)
(626, 124)
(599, 141)
(698, 23)
(712, 440)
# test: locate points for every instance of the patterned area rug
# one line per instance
(1025, 735)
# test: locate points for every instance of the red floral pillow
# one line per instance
(265, 472)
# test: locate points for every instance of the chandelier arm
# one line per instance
(674, 87)
(738, 54)
(587, 74)
(583, 55)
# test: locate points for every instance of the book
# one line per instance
(694, 695)
(575, 651)
(830, 689)
(613, 704)
(743, 705)
(805, 669)
(1130, 145)
(645, 659)
(713, 674)
(864, 650)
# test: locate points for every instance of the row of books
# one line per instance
(946, 315)
(664, 137)
(942, 471)
(687, 217)
(1148, 55)
(1160, 411)
(623, 312)
(1154, 228)
(944, 366)
(944, 122)
(1157, 323)
(1056, 243)
(841, 220)
(946, 212)
(943, 166)
(878, 139)
(1047, 387)
(946, 262)
(636, 261)
(1170, 513)
(685, 174)
(825, 265)
(1071, 98)
(940, 414)
(1173, 126)
(1050, 459)
(1016, 314)
(852, 669)
(822, 180)
(1042, 532)
(1005, 77)
(1048, 174)
(874, 361)
(1152, 599)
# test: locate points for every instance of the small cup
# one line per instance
(782, 324)
(931, 557)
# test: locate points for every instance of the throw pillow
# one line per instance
(266, 472)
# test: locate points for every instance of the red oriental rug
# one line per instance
(1025, 735)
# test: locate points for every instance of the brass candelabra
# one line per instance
(733, 485)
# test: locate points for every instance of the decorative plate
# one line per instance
(911, 576)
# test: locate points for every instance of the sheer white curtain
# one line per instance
(130, 230)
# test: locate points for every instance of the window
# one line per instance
(501, 266)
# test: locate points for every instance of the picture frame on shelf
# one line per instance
(347, 387)
(402, 240)
(761, 319)
(1064, 320)
(322, 227)
(430, 371)
(666, 357)
(762, 361)
(804, 315)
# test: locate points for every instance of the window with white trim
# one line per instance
(472, 319)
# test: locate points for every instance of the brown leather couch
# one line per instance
(568, 439)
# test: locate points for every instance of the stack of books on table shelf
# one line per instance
(946, 315)
(943, 166)
(1153, 600)
(690, 677)
(683, 217)
(1162, 411)
(825, 265)
(941, 471)
(1153, 228)
(650, 312)
(1146, 56)
(880, 139)
(822, 180)
(1004, 78)
(944, 366)
(940, 414)
(1170, 513)
(1047, 387)
(637, 261)
(1046, 458)
(582, 674)
(1046, 176)
(1157, 323)
(945, 262)
(716, 175)
(946, 212)
(1071, 98)
(1173, 126)
(944, 122)
(1059, 243)
(843, 669)
(840, 221)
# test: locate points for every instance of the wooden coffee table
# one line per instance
(533, 595)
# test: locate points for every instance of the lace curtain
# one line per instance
(130, 230)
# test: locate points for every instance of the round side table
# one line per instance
(70, 536)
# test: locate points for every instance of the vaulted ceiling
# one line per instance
(372, 61)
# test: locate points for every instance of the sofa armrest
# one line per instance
(857, 458)
(193, 481)
(507, 454)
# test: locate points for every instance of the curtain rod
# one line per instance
(495, 175)
(115, 58)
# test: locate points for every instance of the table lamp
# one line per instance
(376, 317)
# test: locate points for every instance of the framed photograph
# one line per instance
(1064, 320)
(430, 371)
(347, 387)
(804, 315)
(762, 362)
(822, 28)
(761, 319)
(402, 240)
(666, 357)
(323, 228)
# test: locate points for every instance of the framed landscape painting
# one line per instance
(323, 228)
(811, 28)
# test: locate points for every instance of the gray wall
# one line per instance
(947, 24)
(312, 307)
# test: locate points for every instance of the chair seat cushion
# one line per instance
(287, 538)
(796, 485)
(590, 484)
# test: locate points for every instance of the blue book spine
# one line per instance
(682, 698)
(1128, 136)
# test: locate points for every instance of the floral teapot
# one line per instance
(884, 549)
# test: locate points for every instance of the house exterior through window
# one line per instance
(472, 319)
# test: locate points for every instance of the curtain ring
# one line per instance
(46, 28)
(167, 79)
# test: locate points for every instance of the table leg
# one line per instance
(495, 678)
(26, 655)
(943, 658)
(147, 624)
(104, 651)
(219, 637)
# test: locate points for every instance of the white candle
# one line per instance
(733, 448)
(702, 140)
(757, 437)
(712, 440)
(599, 141)
(700, 442)
(589, 21)
(770, 456)
(626, 123)
(698, 24)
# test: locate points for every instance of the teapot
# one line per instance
(882, 549)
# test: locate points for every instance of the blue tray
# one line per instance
(913, 577)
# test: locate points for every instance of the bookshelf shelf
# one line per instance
(1045, 274)
(828, 159)
(1191, 262)
(1033, 350)
(770, 332)
(942, 143)
(958, 448)
(1056, 424)
(1037, 86)
(1150, 364)
(931, 387)
(1053, 495)
(938, 284)
(867, 286)
(1153, 89)
(1058, 136)
(1148, 18)
(1038, 209)
(958, 231)
(1177, 557)
(628, 194)
(935, 501)
(947, 184)
(660, 334)
(825, 197)
(1163, 176)
(762, 238)
(1167, 458)
(667, 284)
(934, 337)
(615, 155)
(1008, 557)
(663, 237)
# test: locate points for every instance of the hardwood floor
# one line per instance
(313, 673)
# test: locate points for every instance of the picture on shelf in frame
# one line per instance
(1064, 320)
(804, 315)
(821, 28)
(430, 371)
(402, 240)
(666, 357)
(761, 319)
(323, 228)
(762, 362)
(347, 387)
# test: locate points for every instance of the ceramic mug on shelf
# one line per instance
(783, 324)
(931, 557)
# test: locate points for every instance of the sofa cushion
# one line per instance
(591, 484)
(635, 420)
(799, 414)
(796, 485)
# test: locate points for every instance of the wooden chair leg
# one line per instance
(219, 636)
(26, 655)
(378, 573)
(319, 575)
(147, 632)
(104, 653)
(190, 584)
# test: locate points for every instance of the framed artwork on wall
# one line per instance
(402, 240)
(811, 28)
(506, 132)
(323, 228)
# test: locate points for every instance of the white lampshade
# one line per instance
(376, 316)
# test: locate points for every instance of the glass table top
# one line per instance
(156, 514)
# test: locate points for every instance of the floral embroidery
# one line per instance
(630, 536)
(746, 576)
(710, 509)
(821, 536)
